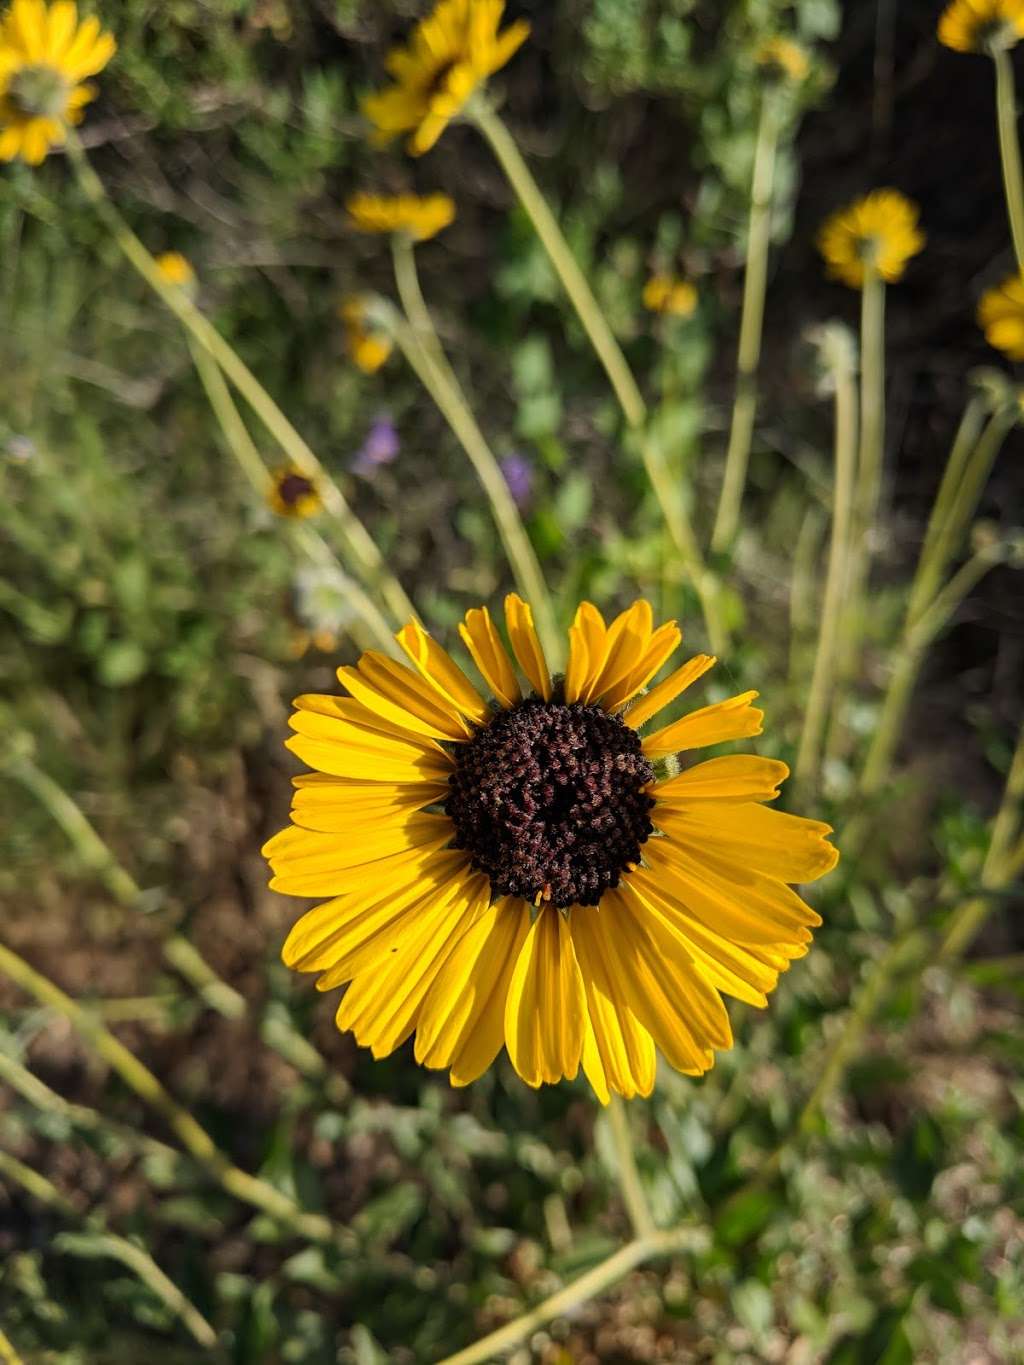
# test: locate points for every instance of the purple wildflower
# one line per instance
(380, 447)
(518, 473)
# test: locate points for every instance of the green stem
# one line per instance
(588, 1286)
(630, 399)
(1009, 149)
(193, 1137)
(838, 572)
(441, 382)
(751, 326)
(359, 544)
(243, 448)
(96, 1241)
(628, 1176)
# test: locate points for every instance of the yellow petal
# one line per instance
(309, 863)
(442, 674)
(731, 719)
(526, 646)
(480, 636)
(398, 695)
(587, 648)
(25, 27)
(346, 807)
(62, 21)
(382, 1005)
(664, 642)
(737, 777)
(462, 1022)
(659, 697)
(593, 1067)
(657, 991)
(546, 1007)
(624, 1045)
(779, 845)
(629, 637)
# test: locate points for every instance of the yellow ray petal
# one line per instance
(480, 636)
(442, 674)
(593, 1067)
(664, 643)
(588, 642)
(348, 808)
(629, 637)
(731, 719)
(63, 18)
(737, 777)
(462, 1021)
(355, 713)
(659, 697)
(660, 992)
(307, 863)
(788, 847)
(526, 646)
(546, 1007)
(397, 694)
(624, 1045)
(382, 1005)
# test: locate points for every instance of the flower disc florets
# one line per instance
(39, 92)
(551, 801)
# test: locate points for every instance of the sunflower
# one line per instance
(419, 218)
(785, 58)
(529, 872)
(982, 25)
(293, 494)
(880, 230)
(452, 52)
(666, 294)
(365, 340)
(1001, 316)
(45, 55)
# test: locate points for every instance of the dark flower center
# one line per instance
(38, 91)
(293, 488)
(550, 801)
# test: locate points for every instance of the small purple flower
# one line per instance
(518, 474)
(380, 447)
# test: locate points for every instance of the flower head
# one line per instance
(176, 269)
(518, 474)
(294, 494)
(452, 52)
(879, 231)
(1001, 316)
(784, 57)
(381, 447)
(982, 25)
(45, 56)
(668, 295)
(529, 871)
(419, 218)
(365, 340)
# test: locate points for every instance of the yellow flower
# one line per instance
(880, 230)
(420, 218)
(366, 342)
(665, 294)
(294, 494)
(176, 269)
(45, 55)
(784, 56)
(529, 872)
(452, 52)
(1001, 317)
(982, 25)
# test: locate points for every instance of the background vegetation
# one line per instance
(154, 625)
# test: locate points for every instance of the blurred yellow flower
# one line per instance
(368, 344)
(982, 25)
(45, 54)
(452, 52)
(529, 872)
(881, 230)
(1001, 317)
(176, 269)
(418, 217)
(784, 56)
(293, 494)
(666, 294)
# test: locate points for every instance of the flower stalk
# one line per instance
(823, 676)
(624, 385)
(422, 348)
(1009, 148)
(359, 545)
(755, 289)
(628, 1176)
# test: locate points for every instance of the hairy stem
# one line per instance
(751, 326)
